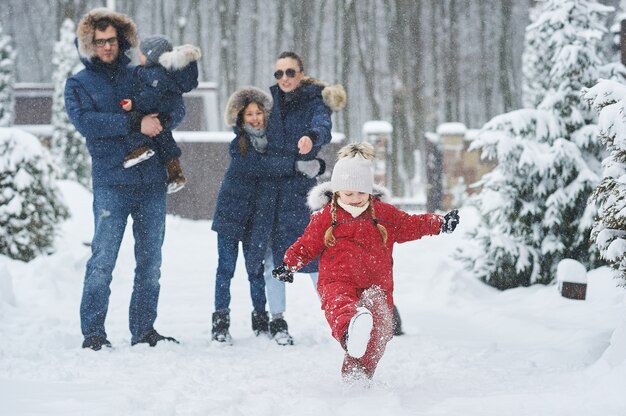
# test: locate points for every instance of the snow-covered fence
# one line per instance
(571, 277)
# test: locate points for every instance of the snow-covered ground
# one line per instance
(468, 349)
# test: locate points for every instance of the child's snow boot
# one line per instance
(175, 178)
(359, 332)
(221, 324)
(137, 156)
(260, 322)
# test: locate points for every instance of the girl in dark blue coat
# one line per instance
(164, 75)
(247, 110)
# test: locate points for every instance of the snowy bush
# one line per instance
(67, 145)
(30, 204)
(533, 205)
(7, 80)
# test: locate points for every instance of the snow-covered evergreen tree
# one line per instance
(30, 204)
(67, 145)
(533, 206)
(609, 230)
(7, 80)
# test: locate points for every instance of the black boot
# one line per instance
(397, 322)
(221, 323)
(280, 332)
(96, 343)
(152, 337)
(260, 322)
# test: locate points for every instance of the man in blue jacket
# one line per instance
(92, 100)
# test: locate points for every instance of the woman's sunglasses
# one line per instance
(291, 73)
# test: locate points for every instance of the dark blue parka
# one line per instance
(160, 90)
(239, 191)
(92, 101)
(160, 87)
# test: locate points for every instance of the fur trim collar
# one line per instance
(322, 194)
(334, 96)
(86, 31)
(241, 98)
(180, 57)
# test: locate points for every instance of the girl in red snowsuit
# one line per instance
(353, 235)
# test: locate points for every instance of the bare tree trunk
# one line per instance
(485, 10)
(348, 17)
(302, 20)
(280, 26)
(506, 77)
(416, 50)
(318, 35)
(436, 18)
(367, 64)
(254, 30)
(399, 77)
(451, 70)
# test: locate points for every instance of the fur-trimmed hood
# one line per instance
(322, 194)
(180, 57)
(334, 96)
(127, 31)
(241, 98)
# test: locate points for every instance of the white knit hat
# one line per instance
(353, 174)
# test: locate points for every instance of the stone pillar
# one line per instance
(378, 133)
(452, 140)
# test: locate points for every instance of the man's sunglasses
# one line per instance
(291, 73)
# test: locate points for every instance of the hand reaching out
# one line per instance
(450, 221)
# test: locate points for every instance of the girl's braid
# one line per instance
(329, 237)
(381, 228)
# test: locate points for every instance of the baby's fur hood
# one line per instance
(241, 98)
(180, 57)
(322, 194)
(86, 31)
(334, 95)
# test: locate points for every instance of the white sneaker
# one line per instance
(359, 332)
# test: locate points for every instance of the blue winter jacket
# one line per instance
(159, 87)
(239, 191)
(276, 214)
(92, 101)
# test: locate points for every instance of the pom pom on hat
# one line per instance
(353, 174)
(153, 47)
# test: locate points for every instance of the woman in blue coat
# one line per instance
(299, 125)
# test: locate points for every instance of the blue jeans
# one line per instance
(111, 207)
(275, 288)
(228, 250)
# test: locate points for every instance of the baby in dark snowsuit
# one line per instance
(164, 73)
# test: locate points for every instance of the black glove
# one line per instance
(283, 273)
(450, 221)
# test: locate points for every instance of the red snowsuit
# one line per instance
(357, 270)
